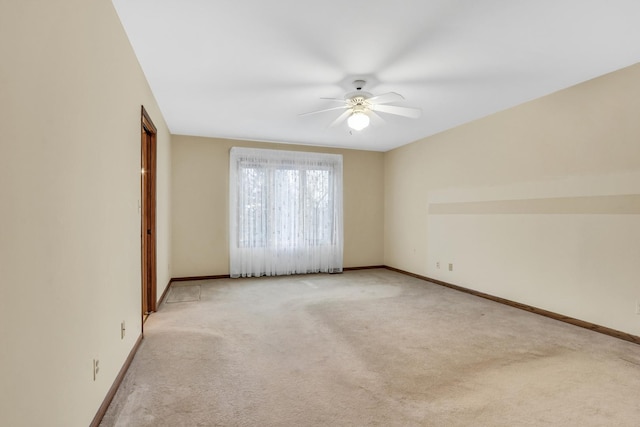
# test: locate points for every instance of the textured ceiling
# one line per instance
(246, 69)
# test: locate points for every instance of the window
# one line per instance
(285, 212)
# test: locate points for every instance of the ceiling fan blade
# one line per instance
(342, 107)
(412, 113)
(341, 118)
(376, 120)
(335, 99)
(385, 98)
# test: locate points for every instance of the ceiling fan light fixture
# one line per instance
(358, 120)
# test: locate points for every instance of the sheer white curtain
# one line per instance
(285, 212)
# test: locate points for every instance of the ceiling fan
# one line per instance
(362, 107)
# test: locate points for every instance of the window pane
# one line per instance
(286, 214)
(252, 204)
(317, 209)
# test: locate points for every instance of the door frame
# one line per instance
(148, 213)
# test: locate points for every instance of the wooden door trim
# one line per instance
(147, 122)
(148, 213)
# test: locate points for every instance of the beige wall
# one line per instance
(200, 170)
(517, 202)
(70, 96)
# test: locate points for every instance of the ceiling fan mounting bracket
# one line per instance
(359, 84)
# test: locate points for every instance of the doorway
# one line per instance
(148, 214)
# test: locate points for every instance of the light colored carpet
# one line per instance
(183, 293)
(370, 348)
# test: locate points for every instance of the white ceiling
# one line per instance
(245, 69)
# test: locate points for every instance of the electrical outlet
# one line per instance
(122, 330)
(450, 267)
(96, 368)
(438, 264)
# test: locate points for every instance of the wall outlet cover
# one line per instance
(96, 368)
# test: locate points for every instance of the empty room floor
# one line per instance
(368, 348)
